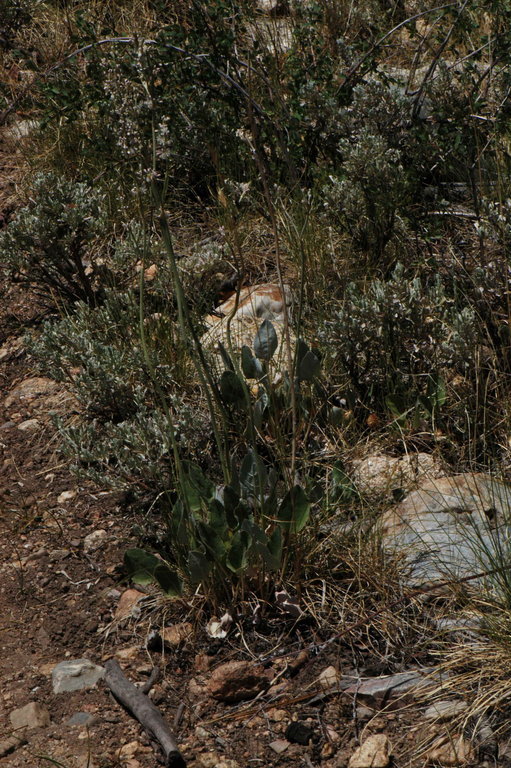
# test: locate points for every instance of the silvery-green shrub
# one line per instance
(48, 243)
(392, 336)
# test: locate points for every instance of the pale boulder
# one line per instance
(238, 319)
(380, 475)
(449, 526)
(374, 752)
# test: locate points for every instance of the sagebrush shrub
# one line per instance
(392, 338)
(101, 353)
(49, 242)
(135, 455)
(366, 197)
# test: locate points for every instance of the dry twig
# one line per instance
(143, 709)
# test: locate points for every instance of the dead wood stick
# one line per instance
(178, 715)
(153, 678)
(143, 709)
(11, 743)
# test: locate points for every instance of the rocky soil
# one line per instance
(271, 692)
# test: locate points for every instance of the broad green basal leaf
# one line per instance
(145, 568)
(253, 473)
(250, 365)
(231, 389)
(237, 557)
(293, 512)
(266, 341)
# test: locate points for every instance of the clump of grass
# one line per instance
(473, 656)
(367, 604)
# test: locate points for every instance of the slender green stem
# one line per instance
(188, 332)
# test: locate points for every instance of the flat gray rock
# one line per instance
(451, 527)
(82, 719)
(378, 690)
(444, 710)
(75, 674)
(460, 627)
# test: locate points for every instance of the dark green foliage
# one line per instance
(144, 568)
(267, 124)
(217, 530)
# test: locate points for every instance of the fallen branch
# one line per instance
(143, 709)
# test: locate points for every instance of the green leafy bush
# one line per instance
(394, 340)
(157, 106)
(49, 242)
(215, 101)
(140, 434)
(218, 532)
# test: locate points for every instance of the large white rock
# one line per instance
(240, 317)
(451, 527)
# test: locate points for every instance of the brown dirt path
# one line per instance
(54, 597)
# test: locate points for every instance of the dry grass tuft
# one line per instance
(366, 604)
(477, 669)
